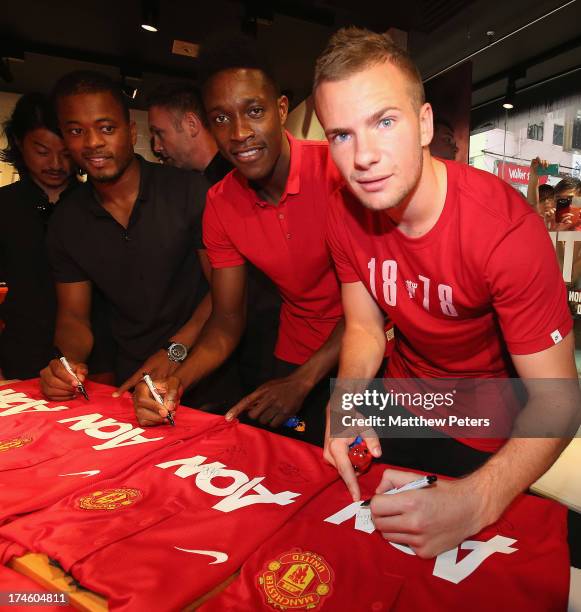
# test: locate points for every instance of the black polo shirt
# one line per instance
(217, 169)
(29, 309)
(150, 272)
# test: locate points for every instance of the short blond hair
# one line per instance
(353, 49)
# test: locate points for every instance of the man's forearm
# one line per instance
(362, 352)
(533, 191)
(74, 338)
(522, 460)
(325, 359)
(189, 332)
(216, 342)
(518, 464)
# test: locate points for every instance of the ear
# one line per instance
(426, 117)
(191, 123)
(282, 104)
(133, 130)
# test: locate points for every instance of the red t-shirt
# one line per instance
(322, 559)
(483, 280)
(286, 242)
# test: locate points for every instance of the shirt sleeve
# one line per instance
(338, 242)
(221, 252)
(527, 288)
(64, 267)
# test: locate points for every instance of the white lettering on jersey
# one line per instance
(85, 474)
(411, 287)
(446, 566)
(123, 434)
(8, 397)
(426, 302)
(446, 304)
(349, 512)
(389, 278)
(234, 493)
(262, 496)
(219, 557)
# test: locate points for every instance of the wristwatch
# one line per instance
(176, 351)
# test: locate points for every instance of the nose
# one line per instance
(156, 144)
(241, 130)
(366, 151)
(94, 139)
(56, 161)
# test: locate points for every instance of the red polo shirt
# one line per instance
(287, 242)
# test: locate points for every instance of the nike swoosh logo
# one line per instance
(219, 556)
(87, 473)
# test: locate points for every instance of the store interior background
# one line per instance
(533, 48)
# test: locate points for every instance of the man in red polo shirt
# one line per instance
(271, 211)
(465, 270)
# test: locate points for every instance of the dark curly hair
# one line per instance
(32, 111)
(226, 51)
(89, 82)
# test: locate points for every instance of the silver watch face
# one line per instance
(177, 352)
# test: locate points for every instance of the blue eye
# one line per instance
(341, 137)
(387, 122)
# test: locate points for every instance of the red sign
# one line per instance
(513, 173)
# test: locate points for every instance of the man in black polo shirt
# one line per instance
(134, 231)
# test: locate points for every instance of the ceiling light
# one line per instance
(508, 101)
(150, 15)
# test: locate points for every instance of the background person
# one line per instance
(36, 150)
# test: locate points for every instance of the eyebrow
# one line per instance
(379, 114)
(36, 142)
(245, 102)
(370, 120)
(99, 120)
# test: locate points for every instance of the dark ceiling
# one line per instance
(55, 37)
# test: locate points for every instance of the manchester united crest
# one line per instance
(7, 445)
(297, 580)
(110, 499)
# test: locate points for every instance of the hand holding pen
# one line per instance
(432, 516)
(414, 485)
(156, 396)
(63, 378)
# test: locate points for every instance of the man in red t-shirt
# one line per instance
(271, 211)
(464, 269)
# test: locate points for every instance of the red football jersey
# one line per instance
(180, 521)
(327, 559)
(482, 283)
(45, 455)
